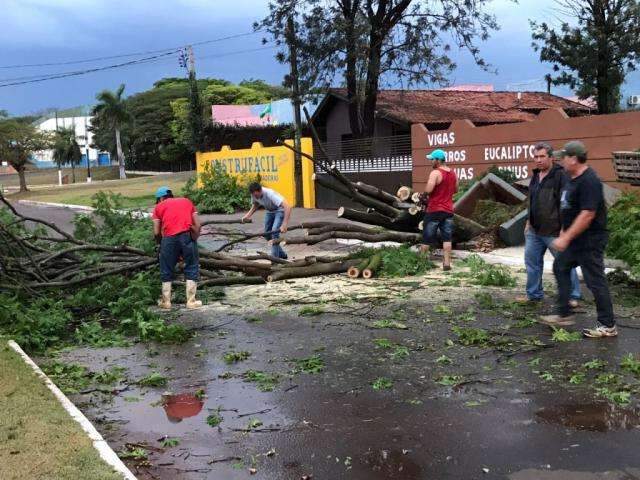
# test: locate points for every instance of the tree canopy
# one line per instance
(594, 52)
(66, 149)
(19, 139)
(372, 41)
(158, 132)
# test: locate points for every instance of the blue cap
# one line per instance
(162, 192)
(438, 155)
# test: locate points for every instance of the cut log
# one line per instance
(312, 270)
(338, 175)
(416, 197)
(364, 200)
(354, 271)
(374, 264)
(230, 221)
(232, 280)
(364, 217)
(415, 210)
(331, 185)
(343, 227)
(386, 236)
(376, 193)
(404, 193)
(404, 205)
(465, 228)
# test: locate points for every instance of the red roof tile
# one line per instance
(444, 106)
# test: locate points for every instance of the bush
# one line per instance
(36, 324)
(624, 228)
(219, 192)
(111, 225)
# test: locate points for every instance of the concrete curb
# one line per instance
(104, 450)
(81, 208)
(35, 203)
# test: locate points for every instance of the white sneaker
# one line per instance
(600, 332)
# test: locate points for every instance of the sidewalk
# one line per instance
(514, 257)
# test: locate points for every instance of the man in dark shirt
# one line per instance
(543, 224)
(582, 242)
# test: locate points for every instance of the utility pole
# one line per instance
(59, 166)
(548, 79)
(86, 148)
(192, 60)
(195, 103)
(295, 100)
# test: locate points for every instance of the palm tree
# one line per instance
(112, 108)
(66, 149)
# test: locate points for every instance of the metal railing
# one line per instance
(377, 154)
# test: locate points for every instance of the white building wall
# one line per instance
(83, 136)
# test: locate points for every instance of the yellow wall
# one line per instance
(273, 164)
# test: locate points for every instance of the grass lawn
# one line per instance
(38, 439)
(138, 192)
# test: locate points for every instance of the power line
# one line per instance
(125, 55)
(151, 59)
(271, 47)
(84, 72)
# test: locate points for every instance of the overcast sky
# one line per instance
(49, 31)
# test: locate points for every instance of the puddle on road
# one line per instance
(181, 406)
(595, 417)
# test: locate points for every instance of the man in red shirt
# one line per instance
(177, 226)
(441, 187)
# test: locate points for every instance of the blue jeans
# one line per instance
(434, 222)
(171, 249)
(273, 221)
(534, 250)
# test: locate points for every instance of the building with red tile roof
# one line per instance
(397, 110)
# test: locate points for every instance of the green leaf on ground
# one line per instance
(562, 335)
(381, 383)
(388, 323)
(235, 357)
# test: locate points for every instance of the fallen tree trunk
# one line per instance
(232, 280)
(343, 227)
(312, 270)
(386, 236)
(229, 221)
(377, 193)
(372, 218)
(404, 193)
(466, 229)
(355, 270)
(372, 267)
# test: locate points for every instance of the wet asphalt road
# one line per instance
(501, 421)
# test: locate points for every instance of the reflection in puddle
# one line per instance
(393, 463)
(178, 407)
(596, 417)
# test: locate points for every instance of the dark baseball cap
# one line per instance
(571, 149)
